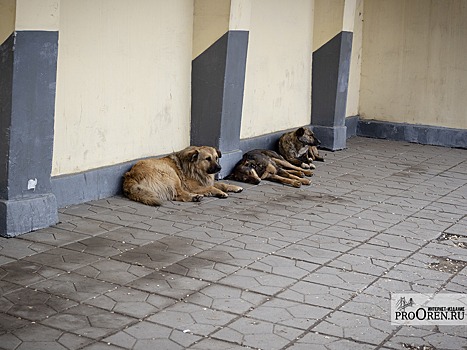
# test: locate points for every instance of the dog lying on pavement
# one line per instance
(187, 176)
(299, 148)
(257, 165)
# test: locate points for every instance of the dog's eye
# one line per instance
(208, 159)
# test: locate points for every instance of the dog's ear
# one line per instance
(193, 155)
(219, 153)
(300, 131)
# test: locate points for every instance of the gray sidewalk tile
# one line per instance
(273, 267)
(257, 334)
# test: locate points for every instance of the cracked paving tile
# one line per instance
(147, 335)
(257, 334)
(350, 280)
(73, 286)
(316, 294)
(130, 302)
(114, 271)
(203, 269)
(231, 255)
(318, 341)
(88, 321)
(197, 319)
(33, 305)
(355, 327)
(100, 246)
(419, 338)
(288, 313)
(225, 298)
(63, 259)
(257, 281)
(36, 336)
(169, 285)
(278, 265)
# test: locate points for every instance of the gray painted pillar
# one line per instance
(330, 77)
(218, 77)
(28, 66)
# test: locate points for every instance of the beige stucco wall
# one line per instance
(278, 73)
(328, 21)
(413, 67)
(37, 15)
(210, 22)
(123, 81)
(7, 18)
(353, 92)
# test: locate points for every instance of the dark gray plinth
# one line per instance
(218, 77)
(28, 65)
(330, 76)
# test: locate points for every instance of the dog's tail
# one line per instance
(136, 192)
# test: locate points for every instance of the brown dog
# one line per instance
(260, 165)
(299, 148)
(185, 176)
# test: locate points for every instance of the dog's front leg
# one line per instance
(211, 191)
(227, 187)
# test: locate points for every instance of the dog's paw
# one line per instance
(296, 183)
(306, 182)
(238, 189)
(222, 195)
(197, 198)
(308, 172)
(305, 166)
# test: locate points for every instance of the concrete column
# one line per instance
(28, 63)
(330, 72)
(218, 77)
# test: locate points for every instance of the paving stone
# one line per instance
(113, 271)
(397, 241)
(350, 280)
(281, 234)
(170, 285)
(10, 323)
(100, 246)
(89, 226)
(369, 305)
(128, 235)
(18, 248)
(88, 321)
(257, 334)
(329, 243)
(158, 225)
(257, 243)
(358, 222)
(316, 294)
(289, 313)
(205, 234)
(384, 287)
(231, 255)
(33, 305)
(131, 302)
(25, 273)
(362, 264)
(74, 286)
(308, 254)
(202, 269)
(421, 338)
(83, 210)
(234, 225)
(317, 341)
(354, 327)
(191, 318)
(379, 252)
(278, 265)
(39, 337)
(53, 236)
(213, 344)
(225, 298)
(348, 233)
(147, 335)
(64, 259)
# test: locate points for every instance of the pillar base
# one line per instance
(24, 215)
(332, 137)
(228, 161)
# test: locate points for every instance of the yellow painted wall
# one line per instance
(37, 15)
(123, 81)
(7, 18)
(414, 62)
(353, 92)
(278, 73)
(328, 21)
(210, 22)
